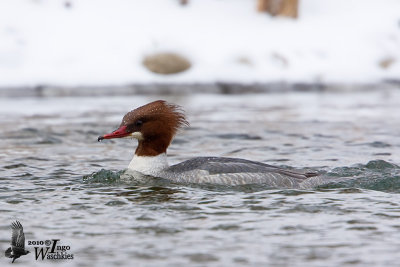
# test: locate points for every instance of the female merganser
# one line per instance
(154, 126)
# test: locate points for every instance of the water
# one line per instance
(62, 184)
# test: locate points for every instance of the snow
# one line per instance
(103, 42)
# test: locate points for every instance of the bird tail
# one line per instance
(8, 253)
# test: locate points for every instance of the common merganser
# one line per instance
(154, 125)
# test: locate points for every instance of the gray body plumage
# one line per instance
(233, 171)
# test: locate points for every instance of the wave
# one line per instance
(377, 175)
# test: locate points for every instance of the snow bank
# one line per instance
(98, 42)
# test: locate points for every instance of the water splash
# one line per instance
(377, 175)
(103, 176)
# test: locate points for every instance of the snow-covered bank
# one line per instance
(97, 42)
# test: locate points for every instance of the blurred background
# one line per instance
(305, 84)
(53, 47)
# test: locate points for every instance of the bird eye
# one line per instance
(138, 123)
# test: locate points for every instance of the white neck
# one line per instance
(149, 165)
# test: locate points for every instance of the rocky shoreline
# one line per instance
(189, 88)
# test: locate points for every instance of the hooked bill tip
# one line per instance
(100, 138)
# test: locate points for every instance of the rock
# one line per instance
(386, 62)
(243, 60)
(166, 63)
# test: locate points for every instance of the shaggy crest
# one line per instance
(171, 115)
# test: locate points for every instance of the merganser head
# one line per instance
(153, 125)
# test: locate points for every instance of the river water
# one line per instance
(60, 183)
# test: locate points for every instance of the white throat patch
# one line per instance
(149, 165)
(135, 135)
